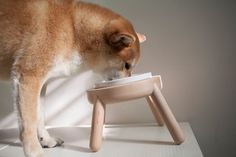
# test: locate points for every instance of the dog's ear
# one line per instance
(141, 37)
(121, 40)
(119, 33)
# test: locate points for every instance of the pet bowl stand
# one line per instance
(147, 88)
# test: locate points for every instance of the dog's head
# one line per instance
(123, 49)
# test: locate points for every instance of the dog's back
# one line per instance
(31, 24)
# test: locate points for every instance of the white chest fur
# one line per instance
(65, 67)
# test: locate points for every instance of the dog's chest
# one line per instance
(65, 66)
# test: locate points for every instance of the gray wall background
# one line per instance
(192, 44)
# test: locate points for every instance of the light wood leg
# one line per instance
(167, 116)
(155, 111)
(97, 125)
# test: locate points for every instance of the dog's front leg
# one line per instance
(27, 91)
(46, 140)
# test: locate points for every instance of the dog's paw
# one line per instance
(50, 142)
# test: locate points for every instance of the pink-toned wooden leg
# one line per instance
(167, 116)
(97, 126)
(155, 111)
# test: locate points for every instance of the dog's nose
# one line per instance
(127, 66)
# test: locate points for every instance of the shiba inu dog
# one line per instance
(41, 39)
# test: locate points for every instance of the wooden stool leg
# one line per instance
(155, 110)
(97, 125)
(167, 116)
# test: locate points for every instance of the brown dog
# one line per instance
(41, 39)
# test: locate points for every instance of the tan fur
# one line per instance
(39, 38)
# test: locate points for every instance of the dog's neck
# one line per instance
(89, 23)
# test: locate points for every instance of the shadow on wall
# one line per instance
(65, 102)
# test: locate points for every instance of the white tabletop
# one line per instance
(119, 141)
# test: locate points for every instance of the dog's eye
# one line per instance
(127, 66)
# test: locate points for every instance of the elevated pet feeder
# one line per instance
(138, 86)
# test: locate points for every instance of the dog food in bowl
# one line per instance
(125, 80)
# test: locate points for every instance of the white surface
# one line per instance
(119, 141)
(125, 80)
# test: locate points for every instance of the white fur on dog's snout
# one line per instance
(113, 73)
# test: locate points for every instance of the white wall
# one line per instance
(192, 45)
